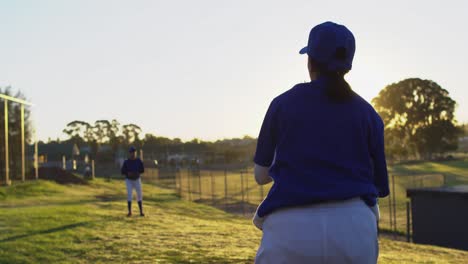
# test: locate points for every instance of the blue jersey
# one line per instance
(318, 150)
(132, 165)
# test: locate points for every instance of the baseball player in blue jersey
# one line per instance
(132, 168)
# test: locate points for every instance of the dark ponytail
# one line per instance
(338, 89)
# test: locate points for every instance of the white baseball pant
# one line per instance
(134, 184)
(335, 232)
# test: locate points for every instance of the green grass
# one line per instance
(43, 222)
(456, 171)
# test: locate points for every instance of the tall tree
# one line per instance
(77, 131)
(419, 118)
(132, 134)
(91, 138)
(115, 138)
(102, 130)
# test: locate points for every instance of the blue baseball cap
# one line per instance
(132, 149)
(331, 45)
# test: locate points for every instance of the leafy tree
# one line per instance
(115, 139)
(102, 131)
(419, 118)
(131, 134)
(77, 131)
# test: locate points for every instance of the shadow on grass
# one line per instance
(161, 198)
(78, 202)
(43, 232)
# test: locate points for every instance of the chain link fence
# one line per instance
(236, 191)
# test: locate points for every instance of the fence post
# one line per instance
(23, 160)
(179, 177)
(394, 203)
(189, 191)
(247, 185)
(408, 222)
(7, 160)
(225, 188)
(200, 184)
(212, 187)
(36, 160)
(390, 210)
(242, 191)
(92, 169)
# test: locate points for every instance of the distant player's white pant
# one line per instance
(133, 184)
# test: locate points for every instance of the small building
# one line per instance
(440, 216)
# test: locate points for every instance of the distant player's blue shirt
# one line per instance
(319, 151)
(132, 165)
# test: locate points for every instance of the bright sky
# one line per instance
(208, 69)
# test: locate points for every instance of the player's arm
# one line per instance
(378, 157)
(123, 170)
(266, 145)
(261, 175)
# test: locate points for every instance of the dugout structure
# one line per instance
(6, 179)
(440, 216)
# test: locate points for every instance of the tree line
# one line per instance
(418, 116)
(105, 139)
(103, 132)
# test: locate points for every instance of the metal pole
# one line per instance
(7, 158)
(64, 162)
(390, 209)
(36, 159)
(178, 175)
(247, 185)
(242, 191)
(225, 188)
(92, 169)
(212, 187)
(199, 184)
(23, 160)
(188, 182)
(408, 222)
(394, 203)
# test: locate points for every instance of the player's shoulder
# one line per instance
(289, 95)
(296, 89)
(369, 109)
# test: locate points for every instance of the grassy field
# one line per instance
(43, 222)
(456, 171)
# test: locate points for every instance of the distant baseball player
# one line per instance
(132, 168)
